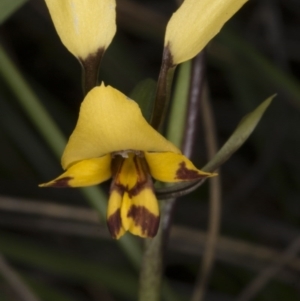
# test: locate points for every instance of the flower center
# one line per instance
(125, 153)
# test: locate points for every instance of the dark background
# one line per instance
(256, 55)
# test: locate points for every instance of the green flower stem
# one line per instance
(151, 284)
(178, 110)
(151, 269)
(56, 141)
(152, 263)
(163, 92)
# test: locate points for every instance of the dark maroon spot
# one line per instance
(118, 187)
(62, 183)
(90, 66)
(144, 179)
(114, 223)
(145, 219)
(184, 173)
(139, 186)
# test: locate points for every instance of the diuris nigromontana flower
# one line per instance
(194, 24)
(84, 27)
(112, 139)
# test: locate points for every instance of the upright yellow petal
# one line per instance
(84, 27)
(195, 23)
(84, 173)
(110, 122)
(170, 167)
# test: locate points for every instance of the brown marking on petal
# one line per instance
(144, 179)
(61, 183)
(142, 217)
(184, 173)
(116, 167)
(118, 187)
(114, 223)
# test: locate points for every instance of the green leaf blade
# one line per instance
(8, 7)
(239, 136)
(235, 141)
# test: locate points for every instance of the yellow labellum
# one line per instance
(195, 23)
(84, 27)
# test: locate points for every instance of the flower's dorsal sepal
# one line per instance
(84, 27)
(132, 204)
(195, 23)
(110, 122)
(84, 173)
(171, 167)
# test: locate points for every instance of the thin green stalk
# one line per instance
(179, 107)
(151, 269)
(56, 141)
(152, 287)
(151, 281)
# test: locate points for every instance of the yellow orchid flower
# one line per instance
(194, 24)
(84, 27)
(112, 139)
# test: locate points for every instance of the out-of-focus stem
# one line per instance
(254, 287)
(163, 92)
(191, 124)
(193, 111)
(15, 281)
(152, 287)
(215, 203)
(151, 269)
